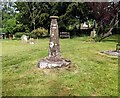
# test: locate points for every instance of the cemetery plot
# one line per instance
(92, 74)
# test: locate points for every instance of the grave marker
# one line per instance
(54, 59)
(24, 38)
(93, 33)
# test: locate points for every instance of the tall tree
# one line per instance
(105, 13)
(31, 12)
(8, 17)
(36, 14)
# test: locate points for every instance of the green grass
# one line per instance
(90, 74)
(0, 69)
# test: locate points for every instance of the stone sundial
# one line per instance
(54, 59)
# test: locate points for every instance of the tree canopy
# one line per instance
(28, 16)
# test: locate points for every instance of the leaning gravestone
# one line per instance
(54, 59)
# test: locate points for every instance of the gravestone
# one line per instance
(31, 41)
(54, 59)
(24, 38)
(93, 33)
(9, 36)
(13, 36)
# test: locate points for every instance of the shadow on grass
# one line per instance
(110, 40)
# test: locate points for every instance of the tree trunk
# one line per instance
(109, 32)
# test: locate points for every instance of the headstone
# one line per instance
(24, 38)
(9, 36)
(13, 36)
(54, 59)
(93, 33)
(31, 41)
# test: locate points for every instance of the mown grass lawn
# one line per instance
(90, 74)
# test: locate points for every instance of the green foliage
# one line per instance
(19, 27)
(39, 17)
(32, 15)
(19, 34)
(8, 18)
(9, 26)
(43, 20)
(39, 32)
(28, 34)
(0, 30)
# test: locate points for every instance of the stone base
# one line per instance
(112, 52)
(49, 63)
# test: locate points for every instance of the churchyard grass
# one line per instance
(90, 74)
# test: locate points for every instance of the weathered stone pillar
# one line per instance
(54, 48)
(54, 59)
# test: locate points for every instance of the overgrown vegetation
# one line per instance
(90, 74)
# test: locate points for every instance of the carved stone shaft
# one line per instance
(54, 48)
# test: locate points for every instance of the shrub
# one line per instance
(39, 32)
(19, 34)
(27, 34)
